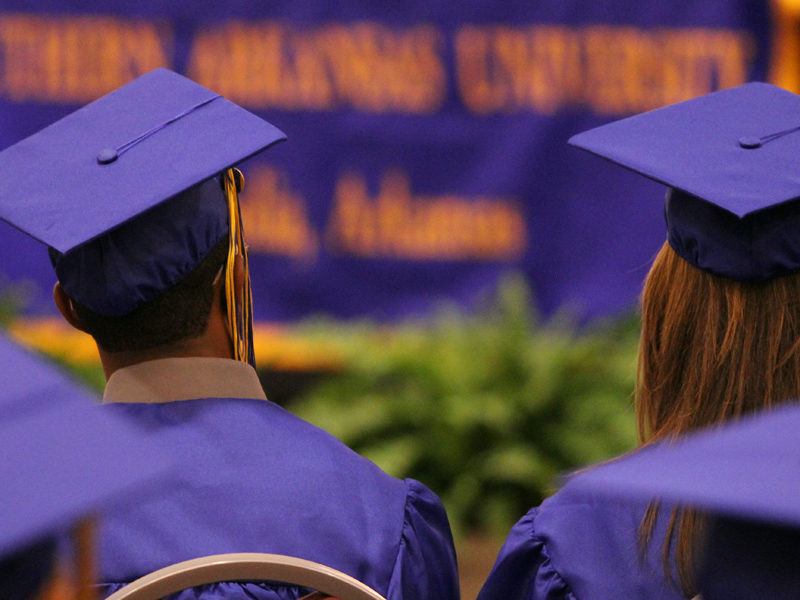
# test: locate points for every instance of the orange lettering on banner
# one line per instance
(367, 66)
(75, 59)
(611, 69)
(275, 217)
(397, 224)
(478, 85)
(240, 63)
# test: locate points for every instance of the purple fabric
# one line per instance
(746, 469)
(51, 437)
(423, 563)
(757, 247)
(63, 458)
(70, 198)
(732, 208)
(80, 189)
(744, 473)
(578, 547)
(696, 146)
(259, 479)
(523, 568)
(32, 384)
(140, 260)
(120, 150)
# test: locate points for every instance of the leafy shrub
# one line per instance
(486, 409)
(13, 298)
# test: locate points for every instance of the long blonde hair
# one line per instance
(711, 349)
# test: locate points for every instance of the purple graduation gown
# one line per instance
(257, 479)
(578, 546)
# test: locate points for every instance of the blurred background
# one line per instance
(439, 279)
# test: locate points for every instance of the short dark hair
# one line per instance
(178, 314)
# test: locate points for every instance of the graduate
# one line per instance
(720, 330)
(63, 459)
(745, 478)
(136, 197)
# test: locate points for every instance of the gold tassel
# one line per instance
(240, 309)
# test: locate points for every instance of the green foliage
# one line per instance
(13, 298)
(90, 374)
(487, 410)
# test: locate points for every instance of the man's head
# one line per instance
(181, 313)
(150, 282)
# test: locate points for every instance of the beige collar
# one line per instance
(171, 379)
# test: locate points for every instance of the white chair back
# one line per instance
(248, 566)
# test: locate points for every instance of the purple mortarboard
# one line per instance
(730, 161)
(747, 476)
(123, 190)
(63, 457)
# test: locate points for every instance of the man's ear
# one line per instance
(218, 284)
(66, 307)
(239, 281)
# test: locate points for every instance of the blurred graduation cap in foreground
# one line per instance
(747, 475)
(730, 161)
(63, 458)
(133, 190)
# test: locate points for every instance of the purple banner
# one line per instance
(427, 140)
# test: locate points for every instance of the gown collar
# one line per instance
(171, 379)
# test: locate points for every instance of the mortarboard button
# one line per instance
(750, 142)
(107, 155)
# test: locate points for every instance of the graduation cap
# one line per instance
(747, 475)
(133, 190)
(62, 457)
(730, 161)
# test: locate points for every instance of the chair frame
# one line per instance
(245, 566)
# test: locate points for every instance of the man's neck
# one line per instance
(176, 379)
(214, 342)
(113, 361)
